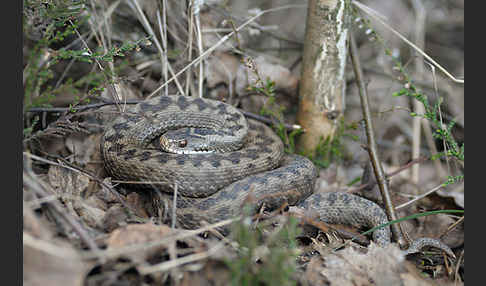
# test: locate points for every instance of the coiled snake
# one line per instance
(224, 159)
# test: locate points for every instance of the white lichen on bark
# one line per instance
(323, 84)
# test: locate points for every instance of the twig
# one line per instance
(436, 93)
(29, 181)
(370, 12)
(268, 120)
(433, 190)
(221, 41)
(199, 46)
(456, 273)
(419, 35)
(48, 247)
(116, 95)
(115, 252)
(189, 44)
(452, 226)
(164, 266)
(146, 25)
(163, 32)
(79, 108)
(82, 172)
(264, 29)
(174, 207)
(388, 175)
(372, 150)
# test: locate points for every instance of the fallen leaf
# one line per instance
(138, 234)
(52, 263)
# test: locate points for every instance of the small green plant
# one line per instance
(442, 130)
(62, 21)
(272, 109)
(273, 267)
(332, 148)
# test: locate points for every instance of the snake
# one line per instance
(217, 160)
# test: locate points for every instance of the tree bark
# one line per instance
(322, 87)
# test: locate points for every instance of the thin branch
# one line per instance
(200, 48)
(372, 149)
(388, 175)
(220, 42)
(179, 235)
(433, 190)
(80, 108)
(190, 24)
(164, 266)
(419, 35)
(371, 13)
(30, 182)
(82, 172)
(146, 25)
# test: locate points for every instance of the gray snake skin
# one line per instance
(213, 185)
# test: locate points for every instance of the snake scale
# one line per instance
(236, 159)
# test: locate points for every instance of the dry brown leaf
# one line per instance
(214, 273)
(213, 20)
(283, 78)
(138, 234)
(115, 217)
(221, 68)
(85, 149)
(137, 204)
(379, 266)
(66, 182)
(105, 195)
(52, 262)
(456, 192)
(90, 215)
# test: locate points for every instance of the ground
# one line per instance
(76, 227)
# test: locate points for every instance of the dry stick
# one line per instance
(452, 226)
(116, 252)
(146, 25)
(419, 35)
(189, 44)
(174, 206)
(164, 266)
(163, 32)
(200, 48)
(373, 153)
(49, 247)
(102, 35)
(375, 16)
(221, 41)
(433, 190)
(80, 108)
(75, 225)
(436, 93)
(116, 97)
(90, 35)
(82, 172)
(77, 108)
(456, 273)
(388, 175)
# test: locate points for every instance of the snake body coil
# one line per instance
(246, 159)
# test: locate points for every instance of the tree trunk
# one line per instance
(322, 87)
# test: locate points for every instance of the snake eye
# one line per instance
(182, 143)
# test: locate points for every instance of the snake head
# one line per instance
(186, 140)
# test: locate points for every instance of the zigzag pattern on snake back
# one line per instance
(213, 186)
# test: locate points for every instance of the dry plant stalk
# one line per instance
(322, 90)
